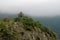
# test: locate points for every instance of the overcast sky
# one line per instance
(31, 7)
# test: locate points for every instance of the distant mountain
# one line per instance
(2, 16)
(50, 22)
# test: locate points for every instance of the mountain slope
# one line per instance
(24, 28)
(50, 22)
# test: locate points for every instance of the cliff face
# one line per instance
(24, 29)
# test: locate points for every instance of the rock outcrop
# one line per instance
(25, 29)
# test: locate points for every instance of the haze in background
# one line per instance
(31, 7)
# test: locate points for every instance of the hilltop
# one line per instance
(24, 28)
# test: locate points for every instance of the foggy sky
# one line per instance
(31, 7)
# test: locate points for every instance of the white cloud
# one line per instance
(31, 7)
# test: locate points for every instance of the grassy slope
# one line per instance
(27, 23)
